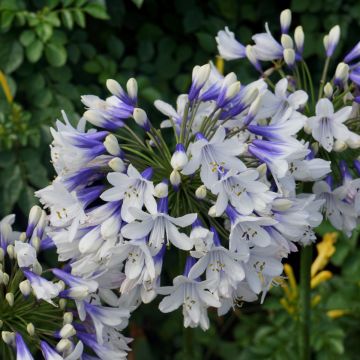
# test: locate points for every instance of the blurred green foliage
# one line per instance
(52, 51)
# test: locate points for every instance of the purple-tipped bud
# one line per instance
(200, 136)
(190, 261)
(200, 75)
(179, 158)
(197, 223)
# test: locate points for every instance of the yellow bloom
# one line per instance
(325, 250)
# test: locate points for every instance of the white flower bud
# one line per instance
(8, 337)
(9, 297)
(315, 147)
(342, 72)
(132, 88)
(289, 57)
(353, 142)
(37, 268)
(175, 178)
(22, 237)
(332, 40)
(30, 328)
(141, 118)
(201, 192)
(63, 345)
(282, 204)
(1, 254)
(232, 90)
(287, 41)
(285, 20)
(117, 164)
(111, 145)
(307, 129)
(114, 87)
(34, 214)
(250, 54)
(68, 318)
(299, 38)
(60, 285)
(179, 158)
(25, 287)
(212, 211)
(339, 146)
(254, 107)
(67, 331)
(262, 169)
(6, 278)
(36, 242)
(250, 96)
(161, 190)
(328, 90)
(62, 304)
(79, 292)
(10, 251)
(200, 74)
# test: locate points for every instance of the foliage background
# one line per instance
(52, 51)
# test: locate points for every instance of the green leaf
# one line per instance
(207, 42)
(67, 19)
(115, 47)
(44, 31)
(138, 3)
(34, 51)
(27, 199)
(27, 37)
(55, 54)
(79, 18)
(42, 98)
(97, 11)
(12, 188)
(7, 18)
(11, 53)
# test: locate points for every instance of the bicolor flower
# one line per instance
(133, 188)
(328, 125)
(229, 48)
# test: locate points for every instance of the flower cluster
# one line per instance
(50, 310)
(236, 177)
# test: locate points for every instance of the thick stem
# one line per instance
(305, 303)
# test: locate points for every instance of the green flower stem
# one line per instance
(323, 77)
(305, 303)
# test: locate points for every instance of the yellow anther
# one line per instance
(320, 277)
(291, 279)
(325, 250)
(336, 313)
(219, 63)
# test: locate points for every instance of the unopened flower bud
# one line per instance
(114, 87)
(232, 90)
(30, 328)
(287, 41)
(200, 75)
(34, 217)
(307, 129)
(25, 287)
(250, 96)
(341, 73)
(67, 331)
(212, 211)
(112, 146)
(179, 158)
(285, 20)
(282, 204)
(328, 90)
(8, 337)
(331, 40)
(68, 318)
(201, 192)
(339, 146)
(1, 254)
(132, 88)
(36, 242)
(63, 345)
(315, 147)
(299, 39)
(117, 164)
(60, 285)
(161, 190)
(10, 251)
(62, 304)
(37, 268)
(9, 297)
(141, 118)
(289, 57)
(175, 178)
(6, 278)
(262, 169)
(22, 237)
